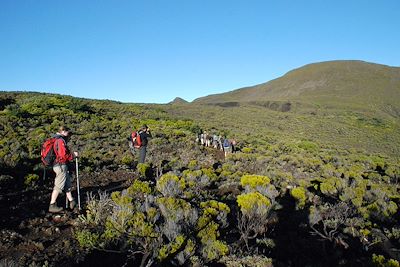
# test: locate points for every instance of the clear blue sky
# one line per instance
(151, 51)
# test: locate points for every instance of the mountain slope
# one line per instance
(333, 83)
(178, 101)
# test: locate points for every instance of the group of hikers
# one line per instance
(55, 153)
(216, 141)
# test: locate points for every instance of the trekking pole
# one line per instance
(77, 184)
(44, 174)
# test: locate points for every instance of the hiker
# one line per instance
(144, 134)
(233, 145)
(62, 181)
(227, 146)
(220, 141)
(215, 141)
(197, 138)
(202, 142)
(206, 142)
(209, 140)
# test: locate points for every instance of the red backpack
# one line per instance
(136, 139)
(48, 155)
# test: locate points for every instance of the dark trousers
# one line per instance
(142, 154)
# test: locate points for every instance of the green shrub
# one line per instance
(97, 209)
(143, 169)
(252, 182)
(139, 188)
(308, 145)
(171, 185)
(214, 249)
(127, 160)
(380, 261)
(31, 179)
(87, 239)
(214, 215)
(247, 150)
(253, 203)
(213, 209)
(299, 193)
(178, 213)
(172, 247)
(210, 174)
(193, 165)
(253, 220)
(248, 261)
(331, 186)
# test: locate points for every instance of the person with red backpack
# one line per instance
(138, 142)
(145, 134)
(134, 141)
(62, 156)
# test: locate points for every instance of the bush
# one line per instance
(254, 204)
(97, 210)
(253, 219)
(171, 248)
(127, 160)
(299, 193)
(170, 185)
(253, 182)
(247, 150)
(248, 261)
(380, 261)
(144, 169)
(328, 221)
(31, 179)
(214, 215)
(87, 239)
(309, 146)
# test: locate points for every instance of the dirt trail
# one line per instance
(29, 234)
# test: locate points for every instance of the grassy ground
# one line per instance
(359, 130)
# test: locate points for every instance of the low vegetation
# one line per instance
(281, 199)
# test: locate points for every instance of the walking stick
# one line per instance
(77, 184)
(44, 174)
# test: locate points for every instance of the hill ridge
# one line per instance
(329, 83)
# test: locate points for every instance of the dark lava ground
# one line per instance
(30, 236)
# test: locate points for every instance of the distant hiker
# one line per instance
(144, 135)
(233, 145)
(134, 142)
(215, 141)
(202, 142)
(220, 141)
(209, 140)
(227, 146)
(206, 141)
(62, 181)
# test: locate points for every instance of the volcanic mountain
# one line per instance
(345, 84)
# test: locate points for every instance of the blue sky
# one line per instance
(151, 51)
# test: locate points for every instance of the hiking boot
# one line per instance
(54, 208)
(72, 204)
